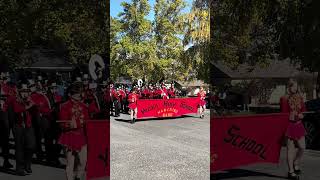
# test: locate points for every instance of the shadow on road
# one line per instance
(152, 119)
(238, 173)
(7, 171)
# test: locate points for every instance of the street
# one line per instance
(39, 172)
(176, 148)
(309, 166)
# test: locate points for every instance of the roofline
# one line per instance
(66, 68)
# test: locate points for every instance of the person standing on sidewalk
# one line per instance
(294, 105)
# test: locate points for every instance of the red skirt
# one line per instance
(202, 103)
(295, 130)
(73, 140)
(132, 106)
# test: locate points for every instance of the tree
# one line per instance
(135, 52)
(246, 31)
(80, 27)
(197, 34)
(301, 35)
(168, 28)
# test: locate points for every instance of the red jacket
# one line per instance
(202, 95)
(132, 98)
(171, 92)
(72, 110)
(42, 102)
(114, 95)
(23, 116)
(10, 93)
(123, 94)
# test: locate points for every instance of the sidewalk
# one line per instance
(310, 167)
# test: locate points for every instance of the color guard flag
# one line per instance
(242, 140)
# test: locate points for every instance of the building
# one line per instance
(265, 84)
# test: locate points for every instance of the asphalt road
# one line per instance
(160, 149)
(39, 172)
(310, 167)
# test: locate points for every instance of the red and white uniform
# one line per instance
(77, 112)
(122, 94)
(93, 106)
(23, 116)
(202, 97)
(133, 98)
(157, 93)
(164, 93)
(11, 93)
(42, 102)
(146, 93)
(114, 95)
(294, 105)
(172, 92)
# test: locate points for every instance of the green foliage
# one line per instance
(80, 27)
(152, 50)
(197, 33)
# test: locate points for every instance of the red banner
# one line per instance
(167, 107)
(98, 165)
(243, 140)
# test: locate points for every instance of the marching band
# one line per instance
(47, 112)
(44, 118)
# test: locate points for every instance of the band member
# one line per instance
(133, 98)
(158, 92)
(123, 97)
(73, 116)
(151, 91)
(171, 91)
(5, 103)
(295, 132)
(92, 101)
(202, 101)
(40, 84)
(164, 92)
(24, 134)
(126, 108)
(112, 92)
(146, 92)
(104, 100)
(116, 102)
(54, 131)
(41, 117)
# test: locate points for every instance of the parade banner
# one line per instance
(167, 107)
(242, 140)
(98, 164)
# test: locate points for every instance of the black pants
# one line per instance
(117, 107)
(5, 126)
(111, 106)
(25, 144)
(50, 136)
(41, 126)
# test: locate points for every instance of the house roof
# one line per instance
(194, 83)
(47, 60)
(276, 69)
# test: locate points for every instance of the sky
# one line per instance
(116, 8)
